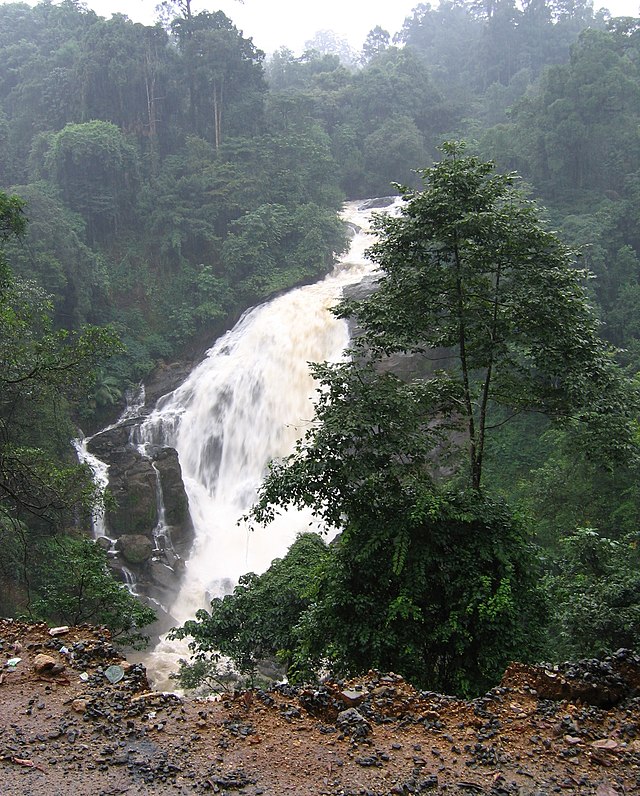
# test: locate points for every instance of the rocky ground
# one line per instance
(65, 727)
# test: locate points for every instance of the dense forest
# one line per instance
(157, 180)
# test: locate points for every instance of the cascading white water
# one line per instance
(99, 470)
(100, 474)
(245, 404)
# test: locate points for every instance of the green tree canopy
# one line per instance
(82, 156)
(40, 370)
(469, 271)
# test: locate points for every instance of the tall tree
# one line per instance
(377, 40)
(225, 73)
(83, 156)
(468, 267)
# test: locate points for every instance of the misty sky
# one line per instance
(274, 23)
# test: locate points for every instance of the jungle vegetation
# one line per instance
(157, 180)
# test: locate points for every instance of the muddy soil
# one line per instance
(65, 727)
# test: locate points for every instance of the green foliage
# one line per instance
(12, 220)
(41, 372)
(271, 247)
(224, 74)
(392, 153)
(595, 589)
(167, 189)
(376, 42)
(53, 254)
(372, 444)
(471, 46)
(208, 675)
(430, 579)
(76, 586)
(469, 269)
(437, 585)
(258, 621)
(82, 156)
(579, 132)
(456, 600)
(102, 109)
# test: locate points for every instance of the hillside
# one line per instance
(572, 730)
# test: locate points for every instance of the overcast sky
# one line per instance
(274, 23)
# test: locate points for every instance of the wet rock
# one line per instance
(353, 723)
(377, 202)
(166, 377)
(162, 576)
(132, 482)
(289, 712)
(45, 664)
(135, 548)
(104, 542)
(176, 504)
(105, 443)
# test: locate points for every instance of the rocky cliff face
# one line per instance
(148, 527)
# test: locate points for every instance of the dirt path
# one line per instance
(71, 731)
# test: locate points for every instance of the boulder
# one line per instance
(135, 548)
(106, 443)
(163, 576)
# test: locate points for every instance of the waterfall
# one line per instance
(135, 400)
(245, 404)
(100, 475)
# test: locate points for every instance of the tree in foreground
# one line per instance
(430, 576)
(471, 277)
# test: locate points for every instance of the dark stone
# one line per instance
(166, 377)
(353, 723)
(132, 483)
(135, 548)
(176, 504)
(105, 443)
(162, 576)
(103, 542)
